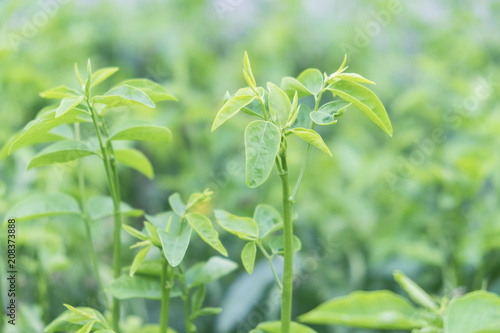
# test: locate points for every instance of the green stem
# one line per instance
(165, 295)
(185, 299)
(286, 298)
(270, 260)
(113, 183)
(85, 215)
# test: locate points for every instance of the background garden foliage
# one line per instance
(424, 202)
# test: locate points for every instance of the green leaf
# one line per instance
(248, 71)
(262, 143)
(353, 77)
(102, 74)
(44, 205)
(326, 113)
(198, 197)
(203, 227)
(365, 100)
(154, 91)
(135, 233)
(139, 258)
(67, 104)
(78, 76)
(59, 92)
(149, 267)
(61, 152)
(294, 111)
(277, 244)
(291, 85)
(100, 207)
(174, 245)
(275, 327)
(248, 256)
(124, 95)
(475, 312)
(139, 286)
(197, 300)
(42, 138)
(243, 227)
(366, 309)
(177, 205)
(86, 328)
(139, 130)
(231, 108)
(136, 160)
(206, 272)
(311, 137)
(88, 81)
(416, 293)
(153, 233)
(209, 311)
(312, 79)
(42, 124)
(279, 105)
(268, 219)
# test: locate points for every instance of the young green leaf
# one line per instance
(353, 77)
(44, 205)
(153, 233)
(209, 311)
(67, 104)
(312, 79)
(59, 92)
(177, 205)
(277, 244)
(61, 152)
(87, 327)
(231, 108)
(206, 272)
(311, 137)
(275, 327)
(203, 227)
(102, 74)
(291, 86)
(375, 309)
(365, 101)
(294, 111)
(139, 258)
(248, 71)
(135, 233)
(197, 300)
(79, 77)
(88, 81)
(124, 95)
(262, 142)
(42, 138)
(243, 227)
(139, 130)
(136, 160)
(174, 244)
(198, 198)
(416, 293)
(248, 256)
(268, 219)
(279, 105)
(326, 113)
(154, 91)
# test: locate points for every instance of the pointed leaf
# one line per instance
(311, 137)
(124, 95)
(136, 160)
(262, 142)
(67, 104)
(365, 101)
(177, 205)
(197, 299)
(154, 91)
(86, 328)
(203, 227)
(61, 152)
(353, 77)
(153, 233)
(291, 85)
(138, 130)
(231, 108)
(209, 311)
(206, 272)
(42, 138)
(376, 310)
(267, 218)
(44, 205)
(59, 92)
(326, 113)
(139, 258)
(243, 227)
(279, 105)
(175, 245)
(135, 233)
(102, 74)
(248, 256)
(312, 79)
(416, 293)
(248, 70)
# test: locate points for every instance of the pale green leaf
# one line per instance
(124, 95)
(198, 197)
(277, 244)
(102, 74)
(248, 71)
(275, 327)
(61, 152)
(243, 227)
(136, 160)
(44, 205)
(175, 244)
(135, 233)
(231, 108)
(203, 227)
(67, 104)
(416, 293)
(248, 256)
(177, 205)
(326, 113)
(365, 101)
(268, 219)
(139, 286)
(353, 77)
(139, 258)
(374, 309)
(311, 137)
(59, 92)
(206, 272)
(262, 142)
(153, 233)
(209, 311)
(100, 207)
(139, 130)
(312, 79)
(42, 138)
(154, 91)
(86, 328)
(279, 105)
(291, 85)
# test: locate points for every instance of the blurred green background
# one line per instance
(424, 202)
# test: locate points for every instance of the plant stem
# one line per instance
(165, 295)
(113, 183)
(270, 260)
(85, 215)
(286, 298)
(185, 299)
